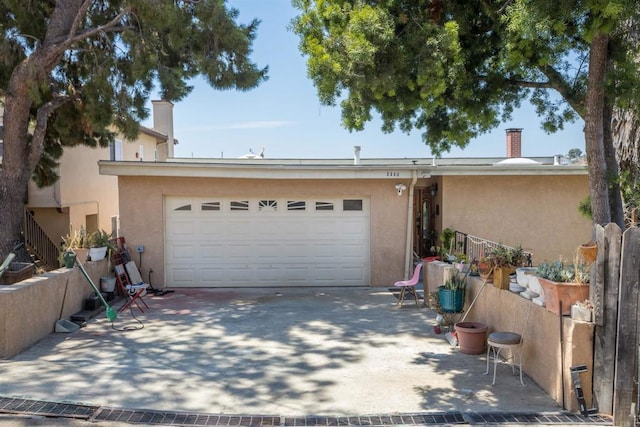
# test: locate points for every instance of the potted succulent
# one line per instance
(451, 294)
(99, 243)
(504, 261)
(563, 284)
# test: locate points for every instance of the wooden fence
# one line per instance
(615, 292)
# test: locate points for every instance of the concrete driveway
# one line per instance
(290, 352)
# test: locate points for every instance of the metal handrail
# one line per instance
(42, 246)
(474, 247)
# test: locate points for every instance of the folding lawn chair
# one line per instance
(133, 291)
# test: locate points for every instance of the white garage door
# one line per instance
(225, 242)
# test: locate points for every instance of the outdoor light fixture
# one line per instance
(433, 189)
(400, 188)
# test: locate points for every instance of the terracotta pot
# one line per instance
(81, 254)
(472, 337)
(568, 293)
(589, 252)
(483, 269)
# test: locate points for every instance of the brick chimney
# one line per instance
(514, 142)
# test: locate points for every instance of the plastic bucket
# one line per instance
(107, 284)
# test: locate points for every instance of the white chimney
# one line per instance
(163, 123)
(356, 154)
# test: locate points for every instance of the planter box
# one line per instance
(17, 272)
(567, 293)
(501, 279)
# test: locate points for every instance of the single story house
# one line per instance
(341, 222)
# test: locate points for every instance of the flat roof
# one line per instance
(338, 168)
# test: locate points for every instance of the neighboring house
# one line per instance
(269, 222)
(84, 198)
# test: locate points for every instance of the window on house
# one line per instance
(115, 150)
(183, 208)
(352, 205)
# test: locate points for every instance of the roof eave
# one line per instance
(321, 171)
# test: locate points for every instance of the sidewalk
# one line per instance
(287, 352)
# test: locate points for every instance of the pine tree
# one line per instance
(72, 71)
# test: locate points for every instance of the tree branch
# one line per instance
(108, 27)
(530, 84)
(82, 13)
(40, 130)
(575, 100)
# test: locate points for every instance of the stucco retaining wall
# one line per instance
(29, 309)
(506, 311)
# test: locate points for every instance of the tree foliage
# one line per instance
(72, 71)
(456, 69)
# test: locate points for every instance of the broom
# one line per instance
(111, 313)
(452, 337)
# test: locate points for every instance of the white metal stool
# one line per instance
(500, 340)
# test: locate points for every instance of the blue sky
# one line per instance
(284, 114)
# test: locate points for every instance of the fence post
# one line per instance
(626, 370)
(604, 294)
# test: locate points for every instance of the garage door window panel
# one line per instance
(239, 206)
(352, 205)
(210, 206)
(268, 205)
(324, 206)
(296, 205)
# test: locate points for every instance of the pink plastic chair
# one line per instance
(409, 284)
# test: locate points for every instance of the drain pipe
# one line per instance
(408, 267)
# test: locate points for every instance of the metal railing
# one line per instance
(474, 247)
(38, 241)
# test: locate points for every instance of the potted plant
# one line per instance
(461, 262)
(582, 310)
(99, 243)
(447, 237)
(451, 294)
(472, 337)
(589, 251)
(76, 242)
(504, 261)
(563, 284)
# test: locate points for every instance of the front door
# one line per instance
(424, 235)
